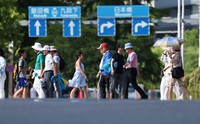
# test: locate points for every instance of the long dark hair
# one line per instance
(78, 54)
(1, 52)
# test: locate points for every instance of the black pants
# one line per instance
(130, 77)
(103, 84)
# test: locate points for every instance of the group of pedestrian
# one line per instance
(115, 83)
(46, 66)
(171, 58)
(114, 74)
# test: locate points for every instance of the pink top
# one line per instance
(132, 61)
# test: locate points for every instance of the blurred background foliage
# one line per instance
(12, 11)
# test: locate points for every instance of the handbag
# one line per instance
(177, 72)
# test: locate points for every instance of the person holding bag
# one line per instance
(177, 66)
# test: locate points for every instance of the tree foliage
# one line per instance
(88, 42)
(192, 81)
(10, 29)
(191, 50)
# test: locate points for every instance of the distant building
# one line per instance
(168, 24)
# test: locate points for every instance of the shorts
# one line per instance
(22, 83)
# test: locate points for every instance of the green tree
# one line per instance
(191, 50)
(10, 29)
(89, 41)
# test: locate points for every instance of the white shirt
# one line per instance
(2, 67)
(48, 62)
(56, 58)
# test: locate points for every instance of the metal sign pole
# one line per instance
(178, 19)
(182, 30)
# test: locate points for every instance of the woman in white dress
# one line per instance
(2, 74)
(166, 74)
(79, 79)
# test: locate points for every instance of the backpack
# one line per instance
(62, 63)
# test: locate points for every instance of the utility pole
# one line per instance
(178, 18)
(182, 30)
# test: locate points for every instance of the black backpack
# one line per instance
(62, 63)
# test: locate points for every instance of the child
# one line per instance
(22, 92)
(79, 79)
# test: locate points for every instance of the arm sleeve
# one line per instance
(20, 63)
(41, 59)
(56, 59)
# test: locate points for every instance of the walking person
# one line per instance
(22, 91)
(117, 73)
(166, 74)
(103, 75)
(47, 73)
(131, 71)
(2, 73)
(39, 66)
(55, 86)
(79, 79)
(167, 77)
(177, 62)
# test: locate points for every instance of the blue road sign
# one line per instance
(140, 26)
(71, 28)
(54, 12)
(106, 27)
(123, 11)
(37, 28)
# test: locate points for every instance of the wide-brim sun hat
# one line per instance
(103, 45)
(46, 47)
(128, 45)
(53, 48)
(37, 46)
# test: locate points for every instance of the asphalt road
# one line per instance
(92, 111)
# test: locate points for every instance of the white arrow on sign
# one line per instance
(142, 24)
(108, 25)
(71, 26)
(37, 25)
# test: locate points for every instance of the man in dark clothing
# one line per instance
(117, 73)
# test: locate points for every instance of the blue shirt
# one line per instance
(105, 61)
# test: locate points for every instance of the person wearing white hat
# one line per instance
(131, 71)
(47, 72)
(56, 59)
(39, 65)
